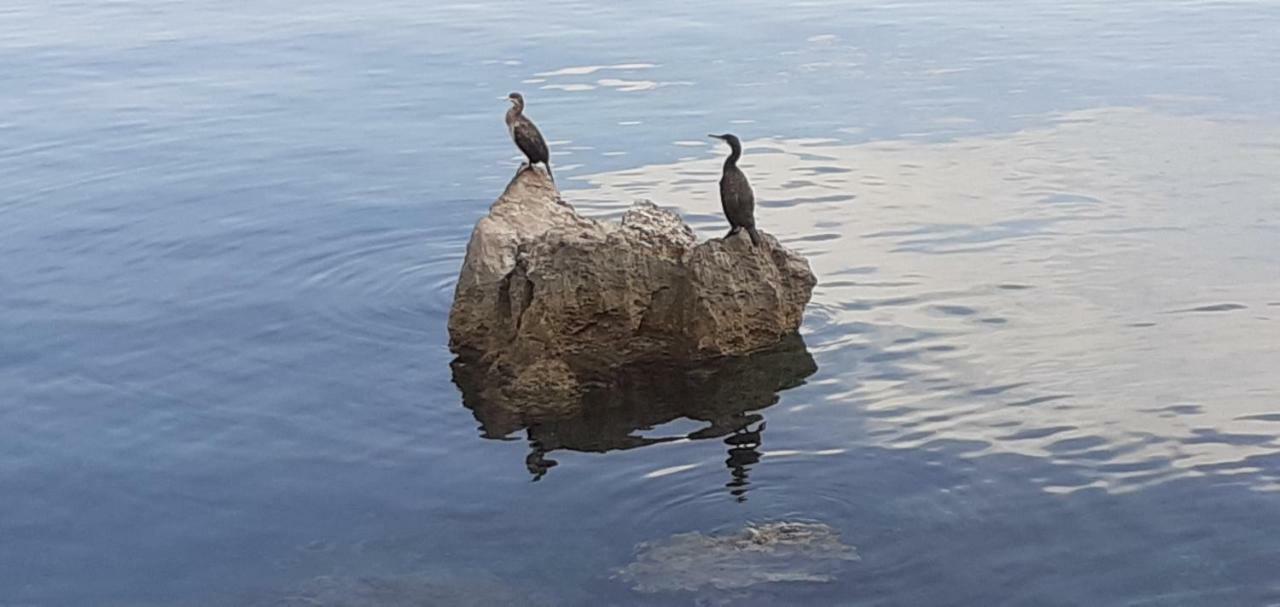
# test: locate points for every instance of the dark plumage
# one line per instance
(526, 135)
(736, 197)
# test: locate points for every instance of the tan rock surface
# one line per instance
(552, 302)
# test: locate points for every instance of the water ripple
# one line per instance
(374, 285)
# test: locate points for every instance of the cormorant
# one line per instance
(526, 135)
(735, 193)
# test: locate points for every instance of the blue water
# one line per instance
(1039, 368)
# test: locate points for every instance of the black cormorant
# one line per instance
(526, 135)
(735, 193)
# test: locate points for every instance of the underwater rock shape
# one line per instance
(768, 553)
(550, 303)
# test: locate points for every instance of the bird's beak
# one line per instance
(716, 137)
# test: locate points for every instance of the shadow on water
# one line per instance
(726, 396)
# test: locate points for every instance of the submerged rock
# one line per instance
(551, 303)
(773, 552)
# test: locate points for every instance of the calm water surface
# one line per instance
(1040, 367)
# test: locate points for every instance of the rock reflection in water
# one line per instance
(725, 395)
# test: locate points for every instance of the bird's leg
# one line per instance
(732, 230)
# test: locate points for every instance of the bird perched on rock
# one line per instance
(526, 135)
(736, 197)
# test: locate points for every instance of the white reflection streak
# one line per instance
(671, 470)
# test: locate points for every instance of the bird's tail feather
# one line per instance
(755, 236)
(548, 165)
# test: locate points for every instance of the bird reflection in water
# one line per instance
(726, 396)
(744, 451)
(537, 462)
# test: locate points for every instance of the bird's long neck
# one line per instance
(734, 154)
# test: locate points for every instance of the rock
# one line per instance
(773, 552)
(552, 303)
